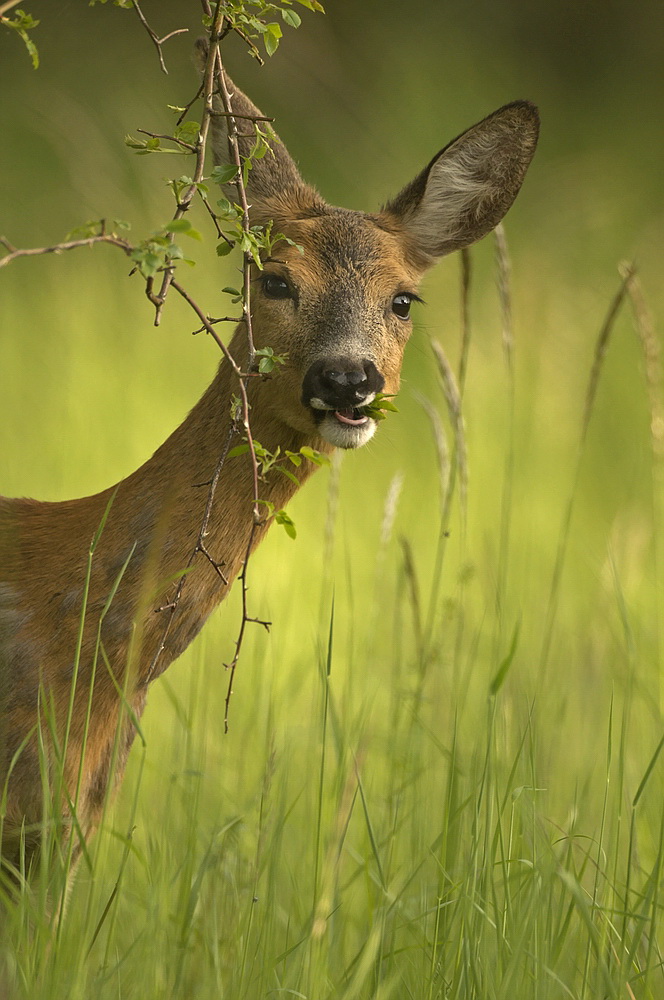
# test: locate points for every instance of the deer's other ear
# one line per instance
(272, 174)
(469, 186)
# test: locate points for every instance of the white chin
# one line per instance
(346, 435)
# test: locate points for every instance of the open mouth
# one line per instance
(352, 416)
(347, 427)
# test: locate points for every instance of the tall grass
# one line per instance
(443, 775)
(444, 772)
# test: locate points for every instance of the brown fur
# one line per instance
(344, 283)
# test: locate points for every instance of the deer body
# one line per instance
(339, 310)
(154, 520)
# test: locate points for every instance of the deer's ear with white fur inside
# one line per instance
(468, 187)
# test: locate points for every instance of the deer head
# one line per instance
(338, 303)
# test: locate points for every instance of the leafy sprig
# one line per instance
(249, 18)
(22, 23)
(378, 405)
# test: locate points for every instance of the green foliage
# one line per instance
(22, 23)
(95, 227)
(378, 405)
(188, 131)
(159, 252)
(273, 460)
(179, 185)
(223, 174)
(151, 145)
(250, 19)
(280, 517)
(268, 360)
(183, 226)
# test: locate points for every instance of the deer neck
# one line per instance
(156, 517)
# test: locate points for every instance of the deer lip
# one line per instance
(353, 416)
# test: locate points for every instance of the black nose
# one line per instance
(340, 383)
(334, 379)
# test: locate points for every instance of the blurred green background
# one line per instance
(363, 97)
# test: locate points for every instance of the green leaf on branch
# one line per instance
(183, 226)
(157, 254)
(148, 263)
(224, 174)
(268, 360)
(224, 248)
(271, 37)
(143, 146)
(281, 517)
(22, 23)
(227, 210)
(85, 231)
(314, 456)
(188, 132)
(290, 17)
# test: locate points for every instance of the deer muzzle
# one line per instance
(335, 390)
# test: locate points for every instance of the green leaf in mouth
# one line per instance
(375, 409)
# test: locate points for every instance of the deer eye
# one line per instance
(276, 288)
(401, 305)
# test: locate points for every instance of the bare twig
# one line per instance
(231, 667)
(156, 40)
(222, 319)
(173, 605)
(247, 118)
(4, 7)
(215, 220)
(185, 109)
(58, 248)
(256, 54)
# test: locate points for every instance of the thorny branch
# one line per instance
(234, 150)
(213, 78)
(214, 81)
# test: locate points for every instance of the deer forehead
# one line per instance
(344, 251)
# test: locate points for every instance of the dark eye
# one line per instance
(275, 288)
(401, 305)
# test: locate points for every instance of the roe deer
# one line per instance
(339, 311)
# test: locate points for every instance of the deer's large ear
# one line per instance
(469, 186)
(272, 174)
